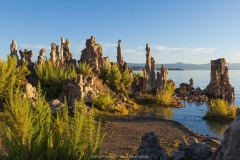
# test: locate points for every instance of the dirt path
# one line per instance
(124, 134)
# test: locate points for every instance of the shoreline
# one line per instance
(124, 134)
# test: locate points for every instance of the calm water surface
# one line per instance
(191, 115)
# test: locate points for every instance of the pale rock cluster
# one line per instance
(26, 56)
(41, 57)
(150, 82)
(189, 93)
(78, 89)
(93, 55)
(150, 148)
(82, 88)
(219, 86)
(162, 78)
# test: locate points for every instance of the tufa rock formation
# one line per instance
(191, 82)
(121, 64)
(195, 151)
(191, 94)
(53, 55)
(93, 55)
(55, 105)
(150, 148)
(26, 56)
(30, 92)
(13, 48)
(150, 82)
(120, 61)
(67, 56)
(82, 88)
(219, 86)
(74, 90)
(62, 55)
(162, 77)
(149, 71)
(230, 145)
(41, 57)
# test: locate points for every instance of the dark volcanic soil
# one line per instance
(124, 134)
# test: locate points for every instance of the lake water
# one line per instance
(191, 115)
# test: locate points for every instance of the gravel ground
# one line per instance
(123, 134)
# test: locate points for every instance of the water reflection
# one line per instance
(163, 112)
(190, 116)
(217, 127)
(158, 112)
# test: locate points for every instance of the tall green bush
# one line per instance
(126, 81)
(11, 75)
(52, 77)
(29, 131)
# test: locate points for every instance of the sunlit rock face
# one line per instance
(41, 56)
(78, 89)
(26, 56)
(219, 86)
(149, 71)
(162, 78)
(93, 55)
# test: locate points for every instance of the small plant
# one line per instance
(84, 68)
(52, 77)
(220, 110)
(104, 101)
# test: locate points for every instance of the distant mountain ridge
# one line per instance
(188, 66)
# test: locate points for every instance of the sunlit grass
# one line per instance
(219, 110)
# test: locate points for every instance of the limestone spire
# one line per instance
(13, 48)
(149, 70)
(119, 54)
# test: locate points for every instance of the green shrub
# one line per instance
(75, 138)
(29, 131)
(104, 101)
(11, 75)
(165, 97)
(220, 110)
(52, 77)
(84, 68)
(126, 82)
(117, 81)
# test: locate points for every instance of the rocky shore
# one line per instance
(219, 86)
(124, 134)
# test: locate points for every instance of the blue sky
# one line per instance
(189, 31)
